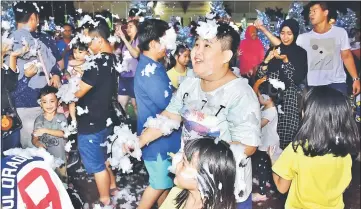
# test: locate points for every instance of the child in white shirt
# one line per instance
(268, 151)
(76, 70)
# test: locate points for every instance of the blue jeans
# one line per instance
(342, 87)
(11, 141)
(247, 204)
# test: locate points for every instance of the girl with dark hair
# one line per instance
(71, 79)
(269, 96)
(178, 65)
(316, 167)
(130, 54)
(206, 174)
(288, 63)
(74, 68)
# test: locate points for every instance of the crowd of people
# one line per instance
(210, 118)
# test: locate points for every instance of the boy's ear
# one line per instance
(227, 56)
(152, 44)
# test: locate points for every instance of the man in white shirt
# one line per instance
(328, 48)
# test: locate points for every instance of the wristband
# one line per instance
(264, 63)
(356, 79)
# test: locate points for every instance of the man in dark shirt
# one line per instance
(95, 94)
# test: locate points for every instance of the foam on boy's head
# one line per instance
(101, 29)
(150, 30)
(23, 10)
(228, 37)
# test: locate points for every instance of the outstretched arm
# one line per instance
(273, 39)
(152, 134)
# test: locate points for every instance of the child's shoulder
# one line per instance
(40, 117)
(239, 88)
(189, 83)
(272, 110)
(60, 116)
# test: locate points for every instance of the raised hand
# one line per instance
(31, 71)
(258, 24)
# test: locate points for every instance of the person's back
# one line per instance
(318, 182)
(153, 92)
(98, 99)
(150, 104)
(316, 166)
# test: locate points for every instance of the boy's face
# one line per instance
(207, 56)
(49, 103)
(80, 55)
(317, 14)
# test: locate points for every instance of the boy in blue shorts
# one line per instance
(153, 93)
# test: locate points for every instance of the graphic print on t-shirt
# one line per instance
(197, 123)
(49, 141)
(200, 117)
(322, 53)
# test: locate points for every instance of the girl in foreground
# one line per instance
(316, 166)
(205, 177)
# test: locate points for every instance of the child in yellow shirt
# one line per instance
(178, 65)
(316, 167)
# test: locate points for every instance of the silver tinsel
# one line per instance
(346, 21)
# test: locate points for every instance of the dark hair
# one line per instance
(71, 27)
(219, 159)
(328, 126)
(134, 11)
(193, 25)
(324, 6)
(150, 30)
(47, 90)
(101, 29)
(178, 51)
(136, 24)
(275, 94)
(80, 45)
(86, 25)
(23, 10)
(229, 38)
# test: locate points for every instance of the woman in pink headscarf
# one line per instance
(251, 52)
